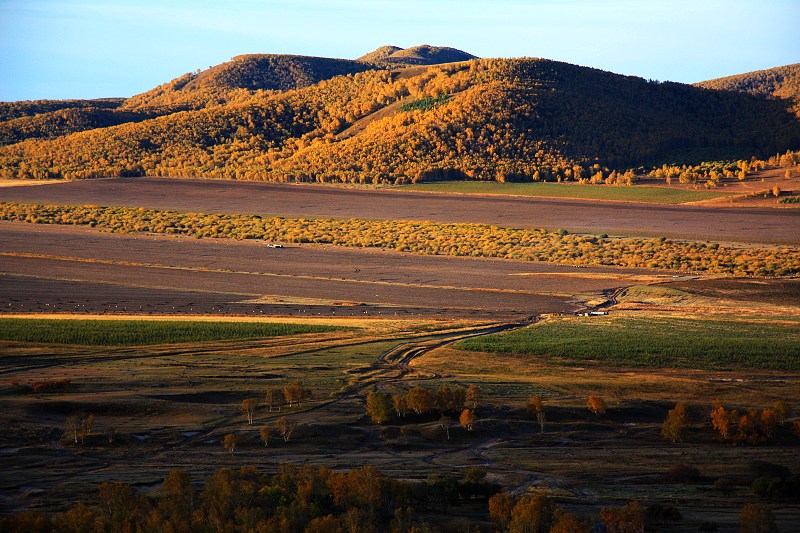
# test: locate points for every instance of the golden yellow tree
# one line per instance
(596, 405)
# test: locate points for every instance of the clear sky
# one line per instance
(95, 48)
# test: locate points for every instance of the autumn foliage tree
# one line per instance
(535, 405)
(379, 406)
(468, 419)
(596, 405)
(533, 513)
(229, 442)
(295, 392)
(265, 432)
(419, 400)
(248, 408)
(675, 424)
(566, 522)
(473, 396)
(274, 398)
(400, 405)
(286, 427)
(722, 419)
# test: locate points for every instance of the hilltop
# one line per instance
(778, 82)
(416, 55)
(294, 118)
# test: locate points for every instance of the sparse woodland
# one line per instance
(429, 238)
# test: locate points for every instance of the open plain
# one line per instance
(162, 406)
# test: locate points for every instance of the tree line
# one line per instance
(317, 499)
(430, 238)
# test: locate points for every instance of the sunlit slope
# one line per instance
(506, 119)
(778, 82)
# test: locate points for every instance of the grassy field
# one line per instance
(655, 341)
(142, 332)
(655, 195)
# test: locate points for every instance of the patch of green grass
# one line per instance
(655, 195)
(142, 332)
(423, 104)
(662, 342)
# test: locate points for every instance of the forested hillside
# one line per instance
(778, 82)
(504, 119)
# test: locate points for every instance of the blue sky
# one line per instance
(95, 48)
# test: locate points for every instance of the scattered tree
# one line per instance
(467, 419)
(274, 398)
(248, 408)
(265, 433)
(379, 406)
(229, 442)
(535, 405)
(87, 424)
(722, 419)
(286, 428)
(596, 405)
(473, 396)
(72, 427)
(674, 425)
(294, 392)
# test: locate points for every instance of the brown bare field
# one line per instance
(618, 218)
(69, 269)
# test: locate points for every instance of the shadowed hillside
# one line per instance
(503, 119)
(778, 82)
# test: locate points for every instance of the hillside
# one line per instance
(242, 75)
(504, 119)
(778, 82)
(416, 55)
(228, 82)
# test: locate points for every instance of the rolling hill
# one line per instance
(416, 55)
(290, 118)
(778, 82)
